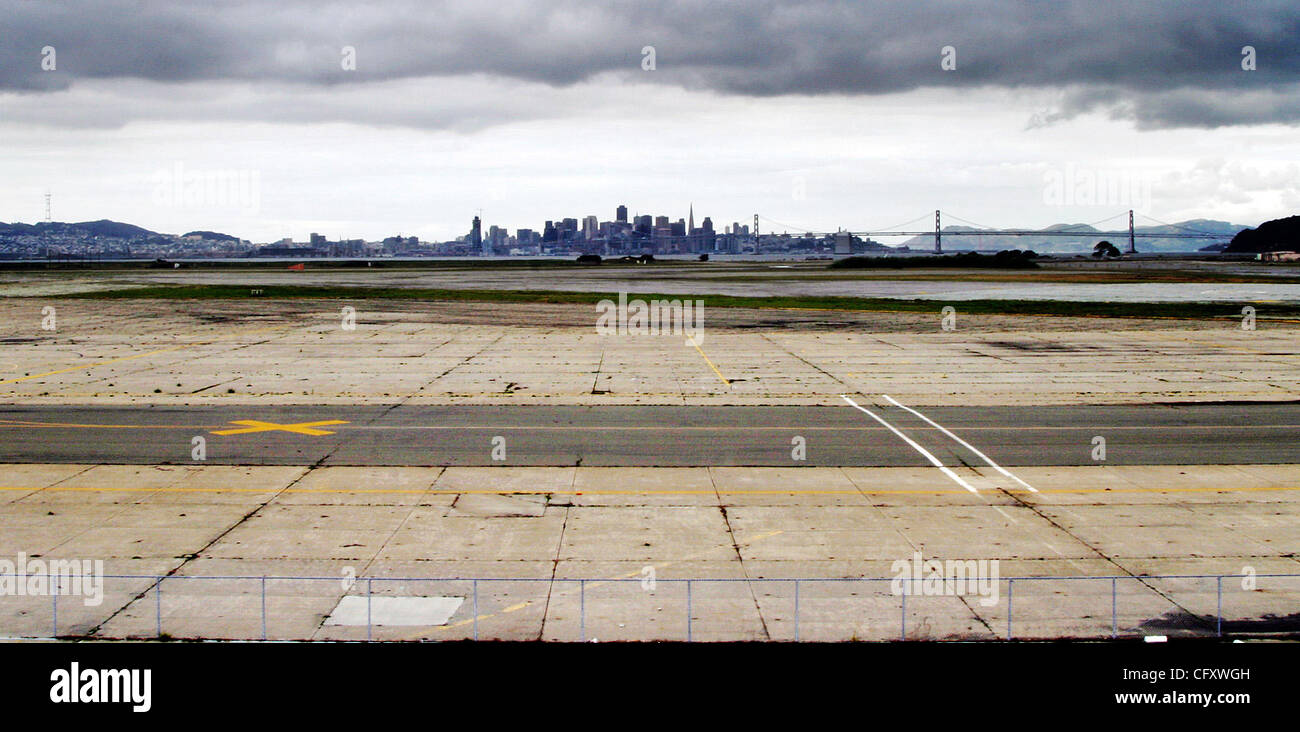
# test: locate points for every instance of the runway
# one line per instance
(655, 436)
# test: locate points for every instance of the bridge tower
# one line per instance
(1132, 248)
(938, 244)
(756, 233)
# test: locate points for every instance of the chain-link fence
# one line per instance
(645, 609)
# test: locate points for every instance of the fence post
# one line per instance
(370, 587)
(263, 607)
(475, 609)
(1218, 624)
(157, 606)
(688, 611)
(796, 611)
(1011, 584)
(582, 608)
(902, 618)
(1114, 615)
(55, 596)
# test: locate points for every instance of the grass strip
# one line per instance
(1195, 310)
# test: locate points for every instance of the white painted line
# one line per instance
(964, 443)
(933, 460)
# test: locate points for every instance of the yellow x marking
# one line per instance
(302, 428)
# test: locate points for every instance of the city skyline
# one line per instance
(361, 122)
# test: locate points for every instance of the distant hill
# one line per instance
(1271, 236)
(212, 236)
(101, 228)
(958, 237)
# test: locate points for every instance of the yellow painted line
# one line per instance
(98, 363)
(678, 428)
(710, 363)
(632, 492)
(40, 425)
(302, 428)
(128, 358)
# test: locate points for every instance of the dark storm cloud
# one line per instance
(1159, 63)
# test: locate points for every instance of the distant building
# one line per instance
(280, 250)
(476, 237)
(620, 214)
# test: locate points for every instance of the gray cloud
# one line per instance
(1158, 64)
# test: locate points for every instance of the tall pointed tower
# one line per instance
(690, 225)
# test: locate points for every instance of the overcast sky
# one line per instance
(249, 118)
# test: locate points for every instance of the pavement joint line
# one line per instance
(98, 363)
(187, 558)
(365, 570)
(598, 583)
(78, 474)
(127, 358)
(964, 443)
(740, 556)
(555, 561)
(933, 460)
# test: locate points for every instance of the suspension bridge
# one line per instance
(1172, 231)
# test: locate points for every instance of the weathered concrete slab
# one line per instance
(535, 532)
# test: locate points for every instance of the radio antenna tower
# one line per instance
(45, 235)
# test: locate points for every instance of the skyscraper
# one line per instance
(476, 234)
(620, 214)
